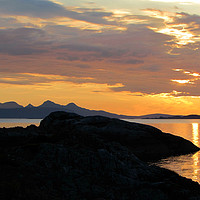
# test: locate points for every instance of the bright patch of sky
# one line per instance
(178, 1)
(135, 6)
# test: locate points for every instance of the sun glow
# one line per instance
(172, 94)
(180, 31)
(183, 81)
(120, 13)
(183, 37)
(194, 74)
(189, 73)
(177, 70)
(168, 17)
(124, 17)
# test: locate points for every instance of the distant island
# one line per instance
(14, 110)
(181, 117)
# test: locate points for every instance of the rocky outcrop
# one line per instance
(146, 142)
(88, 158)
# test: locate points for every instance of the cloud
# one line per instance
(128, 47)
(183, 27)
(37, 79)
(107, 59)
(194, 77)
(22, 41)
(83, 66)
(33, 8)
(128, 61)
(86, 52)
(135, 57)
(151, 68)
(49, 9)
(8, 22)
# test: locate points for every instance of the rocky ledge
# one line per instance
(90, 158)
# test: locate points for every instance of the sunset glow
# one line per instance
(183, 81)
(180, 31)
(136, 57)
(182, 36)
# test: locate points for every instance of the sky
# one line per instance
(129, 57)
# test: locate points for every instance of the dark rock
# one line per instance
(89, 158)
(146, 142)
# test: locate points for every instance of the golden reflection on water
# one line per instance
(195, 134)
(7, 123)
(185, 165)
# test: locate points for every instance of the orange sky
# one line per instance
(131, 57)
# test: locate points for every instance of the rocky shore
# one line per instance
(70, 157)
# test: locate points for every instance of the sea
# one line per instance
(185, 165)
(8, 123)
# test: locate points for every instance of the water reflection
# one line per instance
(18, 122)
(195, 134)
(185, 165)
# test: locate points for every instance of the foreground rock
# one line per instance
(82, 158)
(146, 142)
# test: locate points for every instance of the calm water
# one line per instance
(187, 165)
(18, 122)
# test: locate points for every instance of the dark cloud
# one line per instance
(83, 66)
(151, 68)
(142, 83)
(128, 61)
(187, 18)
(89, 52)
(79, 47)
(63, 31)
(84, 58)
(49, 9)
(22, 41)
(34, 8)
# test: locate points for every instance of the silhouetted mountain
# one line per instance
(50, 104)
(184, 117)
(10, 105)
(14, 110)
(29, 106)
(86, 112)
(157, 116)
(72, 106)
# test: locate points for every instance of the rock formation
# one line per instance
(88, 158)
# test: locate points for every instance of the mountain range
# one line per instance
(14, 110)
